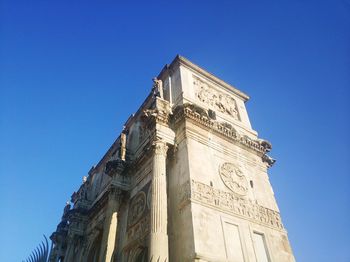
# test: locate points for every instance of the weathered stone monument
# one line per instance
(185, 181)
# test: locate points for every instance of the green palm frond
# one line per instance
(40, 254)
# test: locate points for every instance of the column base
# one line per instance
(158, 251)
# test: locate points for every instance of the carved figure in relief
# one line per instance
(197, 109)
(233, 178)
(158, 87)
(205, 97)
(139, 230)
(197, 191)
(150, 113)
(219, 101)
(137, 208)
(230, 106)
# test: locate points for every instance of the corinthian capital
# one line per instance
(159, 112)
(160, 147)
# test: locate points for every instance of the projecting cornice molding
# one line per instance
(180, 60)
(201, 117)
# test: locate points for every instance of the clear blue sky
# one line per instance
(73, 71)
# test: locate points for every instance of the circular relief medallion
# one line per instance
(137, 208)
(233, 178)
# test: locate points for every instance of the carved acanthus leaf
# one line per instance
(160, 147)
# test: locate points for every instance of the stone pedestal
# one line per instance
(158, 246)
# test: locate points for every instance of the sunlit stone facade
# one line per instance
(185, 181)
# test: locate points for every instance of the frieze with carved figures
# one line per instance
(197, 192)
(216, 100)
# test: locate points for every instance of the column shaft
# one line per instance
(110, 229)
(158, 249)
(69, 257)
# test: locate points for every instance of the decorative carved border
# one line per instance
(194, 191)
(200, 116)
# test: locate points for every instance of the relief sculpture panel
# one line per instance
(216, 100)
(137, 208)
(206, 195)
(138, 217)
(233, 177)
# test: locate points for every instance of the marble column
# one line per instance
(69, 254)
(158, 246)
(110, 226)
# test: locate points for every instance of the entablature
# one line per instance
(204, 119)
(180, 60)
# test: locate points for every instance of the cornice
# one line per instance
(198, 116)
(180, 60)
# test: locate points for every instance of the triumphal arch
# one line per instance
(186, 180)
